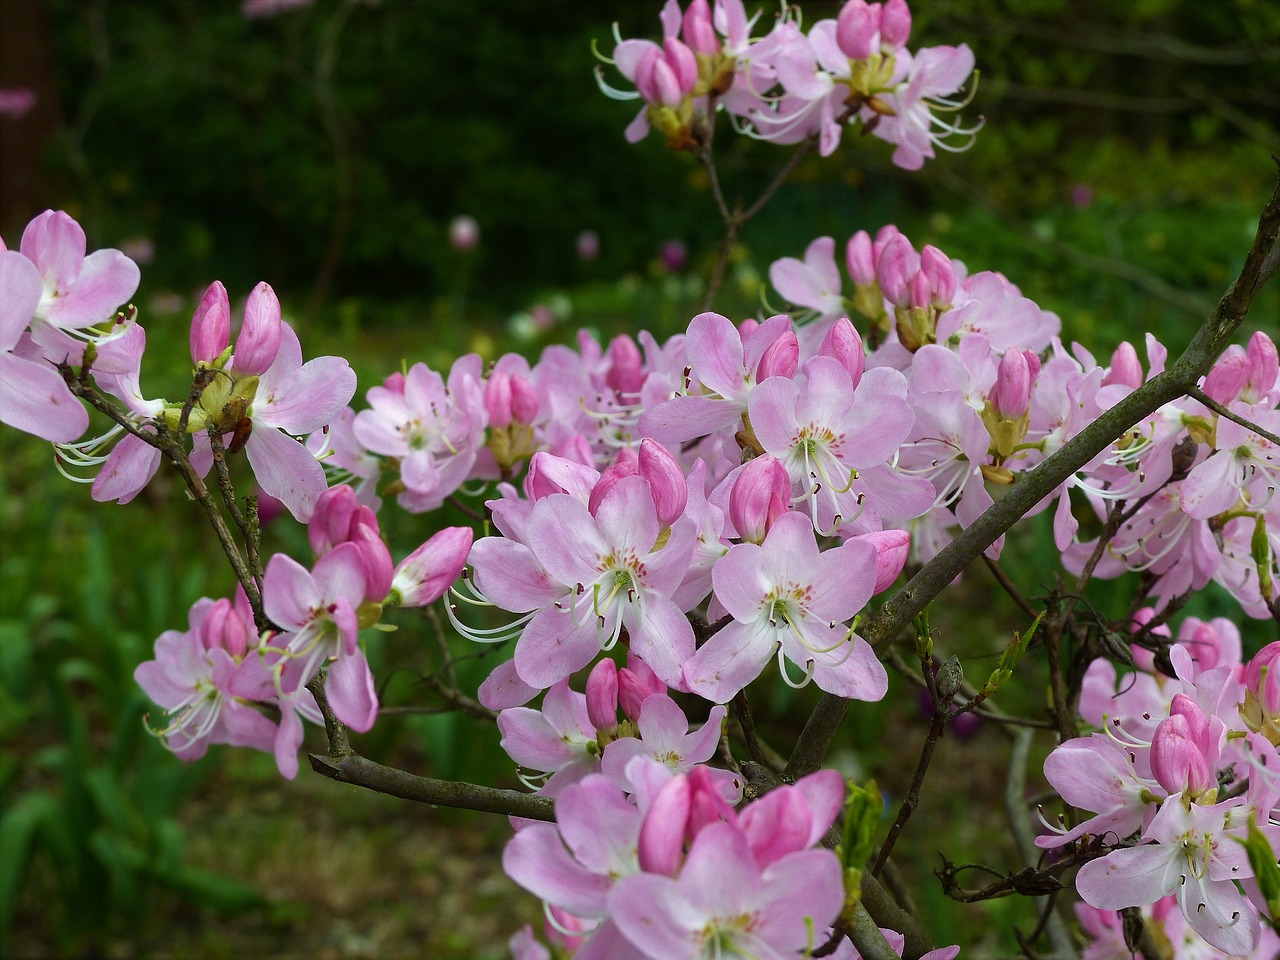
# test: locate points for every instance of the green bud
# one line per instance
(1260, 549)
(950, 677)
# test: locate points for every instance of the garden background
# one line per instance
(327, 149)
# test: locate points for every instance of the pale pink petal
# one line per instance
(286, 469)
(19, 296)
(107, 279)
(729, 661)
(504, 689)
(289, 594)
(536, 859)
(320, 392)
(35, 399)
(351, 692)
(552, 646)
(127, 471)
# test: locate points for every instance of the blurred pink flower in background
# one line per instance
(464, 233)
(261, 9)
(16, 102)
(674, 255)
(588, 245)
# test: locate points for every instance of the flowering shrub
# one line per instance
(669, 518)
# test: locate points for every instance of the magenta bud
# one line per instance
(706, 805)
(497, 399)
(259, 339)
(760, 494)
(1126, 368)
(892, 549)
(1263, 367)
(857, 28)
(425, 575)
(331, 520)
(897, 266)
(1262, 678)
(1197, 723)
(780, 358)
(626, 365)
(611, 477)
(211, 324)
(524, 400)
(602, 695)
(214, 625)
(550, 474)
(747, 327)
(1177, 762)
(1227, 378)
(1011, 395)
(920, 291)
(895, 24)
(843, 343)
(698, 32)
(937, 266)
(684, 67)
(660, 846)
(636, 683)
(375, 560)
(667, 484)
(858, 258)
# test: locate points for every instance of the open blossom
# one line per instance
(789, 599)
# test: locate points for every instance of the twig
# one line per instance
(1010, 587)
(228, 491)
(912, 799)
(1222, 411)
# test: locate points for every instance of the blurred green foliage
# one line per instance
(1117, 181)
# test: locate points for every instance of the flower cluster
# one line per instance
(1180, 769)
(789, 85)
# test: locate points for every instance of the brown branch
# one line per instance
(1222, 411)
(1183, 374)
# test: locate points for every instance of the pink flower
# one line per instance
(790, 599)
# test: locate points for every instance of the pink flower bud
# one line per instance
(844, 344)
(667, 484)
(1011, 395)
(611, 477)
(222, 628)
(1126, 368)
(897, 265)
(920, 291)
(857, 29)
(259, 339)
(497, 399)
(524, 400)
(550, 474)
(375, 561)
(1225, 381)
(602, 695)
(1143, 658)
(394, 382)
(858, 258)
(706, 805)
(937, 266)
(892, 549)
(636, 683)
(747, 327)
(1262, 368)
(211, 324)
(760, 494)
(1262, 678)
(1197, 723)
(780, 358)
(895, 24)
(425, 575)
(331, 520)
(660, 846)
(698, 32)
(1177, 762)
(684, 66)
(626, 365)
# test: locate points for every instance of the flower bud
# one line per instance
(760, 494)
(1177, 762)
(223, 628)
(895, 24)
(1262, 368)
(698, 32)
(524, 400)
(667, 484)
(892, 549)
(920, 291)
(843, 343)
(747, 327)
(211, 325)
(858, 258)
(612, 476)
(1143, 658)
(259, 339)
(425, 575)
(1126, 368)
(1010, 397)
(636, 683)
(626, 365)
(1225, 381)
(375, 561)
(897, 265)
(857, 29)
(331, 520)
(706, 805)
(780, 358)
(602, 695)
(1261, 708)
(497, 399)
(660, 846)
(937, 266)
(550, 474)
